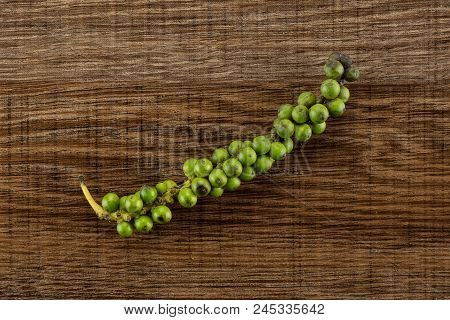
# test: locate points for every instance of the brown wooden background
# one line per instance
(124, 91)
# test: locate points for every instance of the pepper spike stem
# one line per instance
(344, 75)
(101, 213)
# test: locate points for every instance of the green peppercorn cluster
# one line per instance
(240, 161)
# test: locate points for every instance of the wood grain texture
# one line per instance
(124, 91)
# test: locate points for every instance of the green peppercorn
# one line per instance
(124, 229)
(261, 144)
(188, 167)
(148, 194)
(187, 198)
(134, 204)
(318, 128)
(333, 69)
(232, 167)
(277, 150)
(334, 56)
(263, 164)
(200, 186)
(111, 202)
(306, 99)
(143, 224)
(234, 147)
(219, 155)
(122, 202)
(248, 174)
(351, 74)
(330, 89)
(247, 156)
(285, 128)
(218, 178)
(285, 111)
(300, 114)
(170, 184)
(344, 94)
(318, 113)
(336, 107)
(233, 184)
(216, 192)
(303, 132)
(161, 187)
(203, 167)
(289, 144)
(344, 59)
(276, 122)
(161, 214)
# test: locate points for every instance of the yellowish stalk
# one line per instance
(101, 213)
